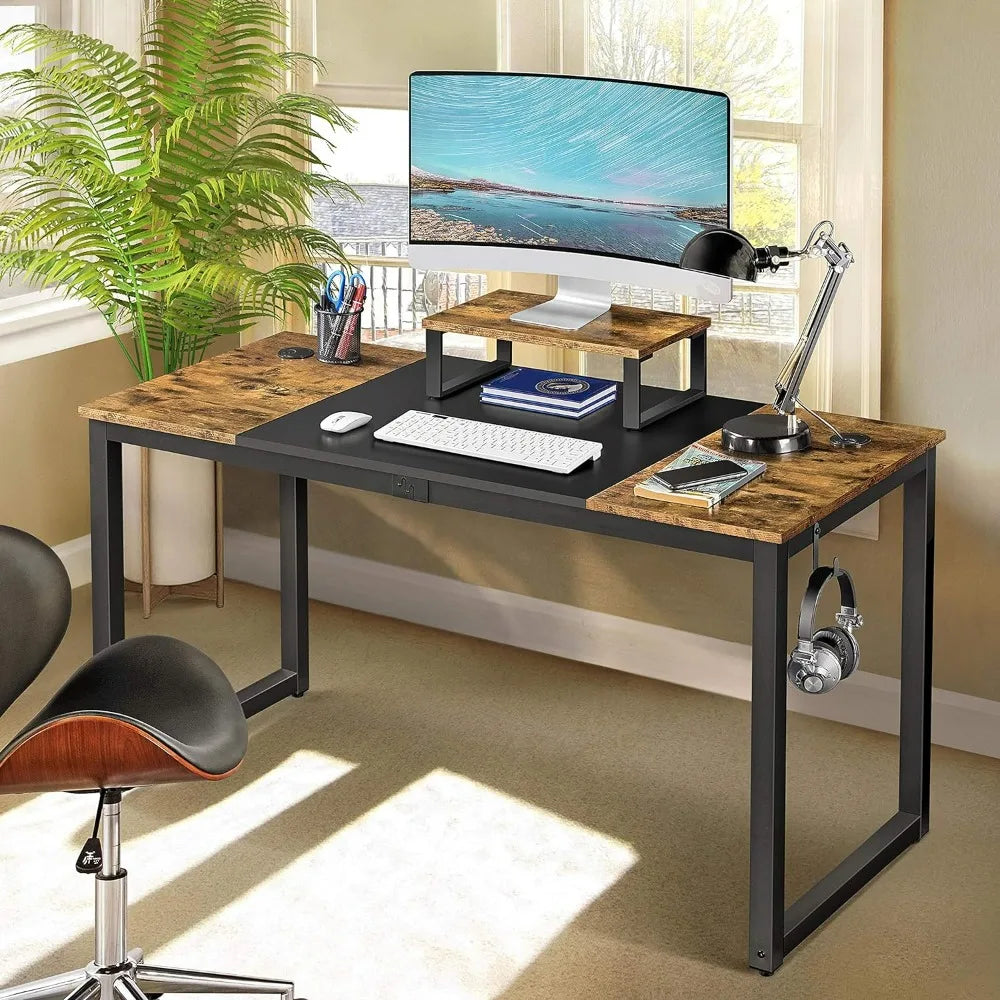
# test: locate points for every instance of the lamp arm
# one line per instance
(838, 258)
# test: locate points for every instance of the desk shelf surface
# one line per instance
(227, 396)
(795, 492)
(622, 332)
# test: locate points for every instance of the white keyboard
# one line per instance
(494, 442)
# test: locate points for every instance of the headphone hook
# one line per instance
(815, 546)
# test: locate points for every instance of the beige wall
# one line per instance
(43, 473)
(942, 300)
(387, 40)
(939, 368)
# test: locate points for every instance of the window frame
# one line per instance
(301, 36)
(23, 314)
(42, 322)
(839, 139)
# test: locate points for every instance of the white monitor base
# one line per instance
(578, 302)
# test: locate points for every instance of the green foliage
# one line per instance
(764, 205)
(161, 190)
(736, 47)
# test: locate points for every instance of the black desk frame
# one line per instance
(773, 930)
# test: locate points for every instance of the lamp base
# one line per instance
(766, 434)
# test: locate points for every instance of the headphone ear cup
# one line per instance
(843, 644)
(856, 660)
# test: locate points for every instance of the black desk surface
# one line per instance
(386, 397)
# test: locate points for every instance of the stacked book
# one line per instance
(707, 495)
(553, 393)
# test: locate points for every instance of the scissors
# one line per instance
(341, 281)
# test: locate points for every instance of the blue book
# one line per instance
(553, 389)
(513, 404)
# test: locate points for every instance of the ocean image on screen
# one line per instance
(611, 168)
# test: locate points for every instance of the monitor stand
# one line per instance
(577, 302)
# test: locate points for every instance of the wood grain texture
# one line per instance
(795, 492)
(623, 332)
(83, 752)
(234, 392)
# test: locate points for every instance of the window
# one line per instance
(36, 322)
(11, 14)
(757, 52)
(374, 160)
(805, 77)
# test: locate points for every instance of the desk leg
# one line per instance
(292, 677)
(107, 557)
(767, 757)
(295, 580)
(915, 668)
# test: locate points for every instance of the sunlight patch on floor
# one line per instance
(446, 891)
(47, 904)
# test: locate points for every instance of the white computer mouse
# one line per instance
(343, 421)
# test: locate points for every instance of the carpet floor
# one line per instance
(442, 818)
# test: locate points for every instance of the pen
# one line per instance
(352, 320)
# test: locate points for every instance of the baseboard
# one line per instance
(75, 556)
(869, 700)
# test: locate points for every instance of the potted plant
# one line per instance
(170, 192)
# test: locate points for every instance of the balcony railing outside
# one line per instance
(768, 313)
(401, 296)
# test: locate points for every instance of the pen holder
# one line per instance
(338, 334)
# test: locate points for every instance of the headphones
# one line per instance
(822, 659)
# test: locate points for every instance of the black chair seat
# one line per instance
(160, 686)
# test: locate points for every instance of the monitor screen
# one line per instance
(608, 167)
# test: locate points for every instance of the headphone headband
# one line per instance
(820, 577)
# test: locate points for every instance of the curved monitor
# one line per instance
(575, 176)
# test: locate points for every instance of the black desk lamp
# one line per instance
(727, 253)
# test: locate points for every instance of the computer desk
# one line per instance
(248, 408)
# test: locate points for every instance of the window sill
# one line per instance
(39, 323)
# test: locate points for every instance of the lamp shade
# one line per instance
(723, 252)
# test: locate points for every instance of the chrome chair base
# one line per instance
(52, 988)
(136, 981)
(117, 972)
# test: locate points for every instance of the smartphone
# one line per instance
(698, 475)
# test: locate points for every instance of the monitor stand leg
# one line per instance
(578, 302)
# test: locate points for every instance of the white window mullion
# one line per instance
(854, 166)
(813, 182)
(751, 128)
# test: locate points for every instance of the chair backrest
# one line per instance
(35, 601)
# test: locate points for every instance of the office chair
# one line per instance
(145, 711)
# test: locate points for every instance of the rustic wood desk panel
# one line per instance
(234, 392)
(795, 492)
(623, 332)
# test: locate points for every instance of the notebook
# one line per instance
(555, 390)
(710, 494)
(513, 404)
